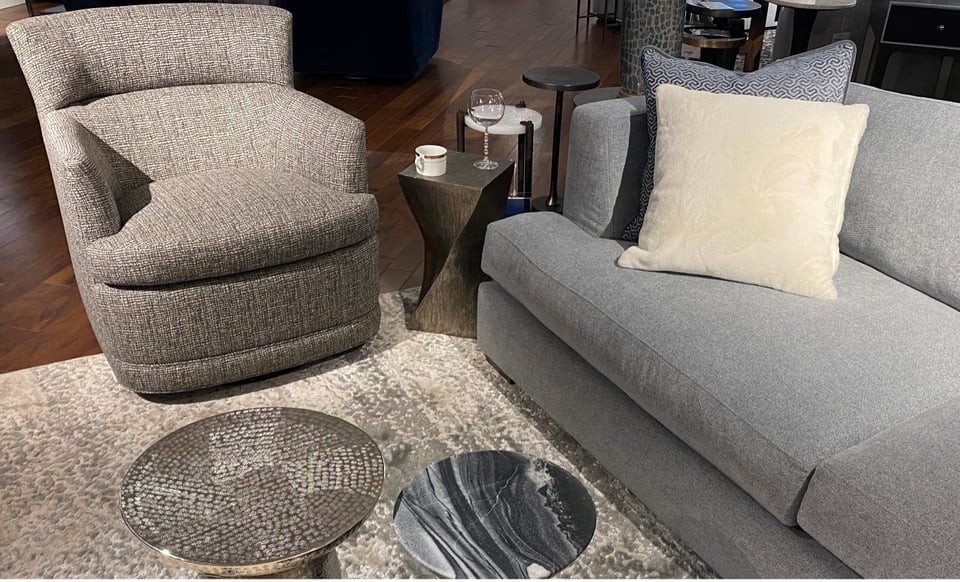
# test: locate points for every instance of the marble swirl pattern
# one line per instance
(494, 514)
(69, 431)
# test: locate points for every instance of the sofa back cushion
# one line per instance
(903, 207)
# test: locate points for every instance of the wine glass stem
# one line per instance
(486, 143)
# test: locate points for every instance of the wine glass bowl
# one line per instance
(486, 109)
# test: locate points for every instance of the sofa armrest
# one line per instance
(608, 151)
(320, 142)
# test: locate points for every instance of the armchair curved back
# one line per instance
(75, 56)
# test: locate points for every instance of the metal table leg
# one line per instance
(461, 127)
(803, 20)
(553, 201)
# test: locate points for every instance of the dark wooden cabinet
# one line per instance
(916, 28)
(923, 26)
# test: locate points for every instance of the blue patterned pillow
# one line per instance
(819, 75)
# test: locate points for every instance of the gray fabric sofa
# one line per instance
(218, 220)
(778, 436)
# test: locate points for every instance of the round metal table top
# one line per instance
(494, 514)
(252, 492)
(511, 122)
(816, 4)
(723, 8)
(561, 78)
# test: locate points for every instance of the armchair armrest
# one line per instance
(606, 158)
(322, 143)
(84, 181)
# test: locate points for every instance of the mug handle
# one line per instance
(418, 162)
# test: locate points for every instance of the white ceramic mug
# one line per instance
(431, 160)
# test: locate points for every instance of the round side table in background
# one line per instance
(805, 15)
(723, 9)
(720, 32)
(519, 121)
(561, 80)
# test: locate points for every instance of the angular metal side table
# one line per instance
(453, 212)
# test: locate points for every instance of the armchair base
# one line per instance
(174, 338)
(245, 364)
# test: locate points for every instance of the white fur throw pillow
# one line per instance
(749, 189)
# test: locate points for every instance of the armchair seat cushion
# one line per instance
(225, 222)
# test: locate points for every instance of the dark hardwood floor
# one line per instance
(484, 43)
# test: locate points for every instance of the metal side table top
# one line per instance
(253, 492)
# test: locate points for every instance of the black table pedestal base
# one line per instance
(560, 80)
(539, 204)
(803, 20)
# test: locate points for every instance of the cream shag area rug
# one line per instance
(69, 431)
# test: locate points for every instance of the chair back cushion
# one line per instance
(156, 134)
(75, 56)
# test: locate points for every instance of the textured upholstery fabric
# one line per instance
(713, 516)
(174, 131)
(767, 210)
(217, 219)
(200, 319)
(608, 151)
(237, 366)
(190, 333)
(70, 57)
(903, 208)
(889, 506)
(818, 75)
(224, 222)
(765, 385)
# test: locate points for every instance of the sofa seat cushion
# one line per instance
(888, 507)
(765, 385)
(225, 222)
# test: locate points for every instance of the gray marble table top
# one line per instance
(495, 514)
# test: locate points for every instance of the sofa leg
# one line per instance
(499, 371)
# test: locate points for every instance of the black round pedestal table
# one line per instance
(561, 80)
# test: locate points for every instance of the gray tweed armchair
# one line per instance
(217, 219)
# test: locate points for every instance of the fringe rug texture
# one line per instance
(69, 431)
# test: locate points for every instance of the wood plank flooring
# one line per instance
(483, 43)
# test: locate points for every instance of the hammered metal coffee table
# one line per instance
(254, 492)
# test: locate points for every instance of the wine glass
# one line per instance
(486, 109)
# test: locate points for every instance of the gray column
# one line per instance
(647, 22)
